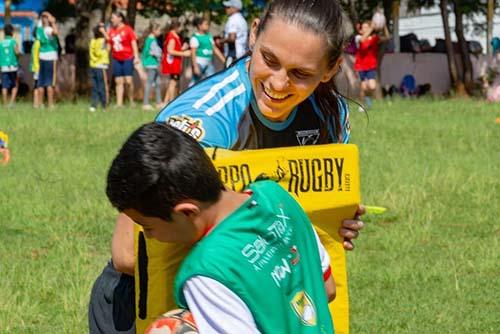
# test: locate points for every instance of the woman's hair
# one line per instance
(97, 31)
(325, 18)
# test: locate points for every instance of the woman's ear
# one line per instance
(333, 70)
(253, 33)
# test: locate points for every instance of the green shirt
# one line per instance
(48, 44)
(150, 57)
(203, 44)
(8, 58)
(266, 253)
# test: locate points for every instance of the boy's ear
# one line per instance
(189, 209)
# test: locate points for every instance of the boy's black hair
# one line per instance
(8, 30)
(157, 167)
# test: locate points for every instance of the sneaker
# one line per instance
(92, 109)
(146, 107)
(361, 109)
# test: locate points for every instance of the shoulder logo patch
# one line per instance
(187, 124)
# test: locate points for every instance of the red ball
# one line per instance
(178, 321)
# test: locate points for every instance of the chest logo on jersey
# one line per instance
(307, 137)
(304, 308)
(189, 125)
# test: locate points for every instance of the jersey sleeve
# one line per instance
(211, 110)
(193, 43)
(216, 309)
(324, 258)
(232, 25)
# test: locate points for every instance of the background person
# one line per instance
(35, 69)
(47, 32)
(9, 66)
(99, 62)
(235, 32)
(162, 165)
(202, 50)
(125, 55)
(173, 51)
(150, 56)
(366, 60)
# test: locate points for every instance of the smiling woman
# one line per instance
(281, 94)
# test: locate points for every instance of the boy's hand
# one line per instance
(351, 227)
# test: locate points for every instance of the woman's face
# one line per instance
(204, 26)
(115, 20)
(287, 65)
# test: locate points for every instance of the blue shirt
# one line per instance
(221, 111)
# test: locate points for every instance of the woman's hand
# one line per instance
(351, 227)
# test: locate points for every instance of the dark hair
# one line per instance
(151, 27)
(97, 32)
(121, 15)
(198, 21)
(157, 167)
(173, 24)
(325, 18)
(8, 30)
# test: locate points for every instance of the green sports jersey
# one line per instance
(266, 253)
(149, 55)
(205, 48)
(48, 44)
(8, 58)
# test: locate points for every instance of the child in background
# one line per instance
(46, 33)
(173, 51)
(99, 61)
(35, 68)
(202, 50)
(150, 57)
(8, 61)
(163, 179)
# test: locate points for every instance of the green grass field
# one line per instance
(430, 264)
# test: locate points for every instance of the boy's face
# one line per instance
(180, 229)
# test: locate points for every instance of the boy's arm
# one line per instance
(122, 245)
(216, 309)
(328, 280)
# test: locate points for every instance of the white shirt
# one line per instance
(218, 310)
(236, 24)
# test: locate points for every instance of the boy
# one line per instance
(257, 265)
(99, 61)
(9, 63)
(46, 33)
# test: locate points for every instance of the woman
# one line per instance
(173, 51)
(282, 94)
(125, 55)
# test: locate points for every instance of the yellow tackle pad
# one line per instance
(324, 179)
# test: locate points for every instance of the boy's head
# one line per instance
(162, 179)
(8, 30)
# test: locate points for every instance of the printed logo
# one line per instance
(189, 125)
(304, 308)
(307, 137)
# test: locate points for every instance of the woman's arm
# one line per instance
(219, 54)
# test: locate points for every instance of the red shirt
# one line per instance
(121, 42)
(171, 64)
(367, 54)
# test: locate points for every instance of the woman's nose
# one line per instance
(279, 80)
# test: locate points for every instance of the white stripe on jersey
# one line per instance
(215, 88)
(225, 99)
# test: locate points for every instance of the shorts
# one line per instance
(175, 77)
(47, 73)
(112, 303)
(123, 68)
(367, 75)
(9, 80)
